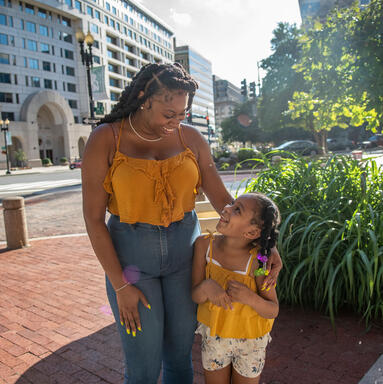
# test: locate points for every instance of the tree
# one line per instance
(242, 126)
(328, 66)
(281, 80)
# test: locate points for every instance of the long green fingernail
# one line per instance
(134, 334)
(128, 331)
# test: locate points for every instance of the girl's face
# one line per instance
(239, 219)
(164, 112)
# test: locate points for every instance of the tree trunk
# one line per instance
(321, 140)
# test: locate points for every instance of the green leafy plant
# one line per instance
(63, 160)
(46, 161)
(331, 236)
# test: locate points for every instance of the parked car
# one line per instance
(301, 147)
(373, 141)
(339, 143)
(75, 164)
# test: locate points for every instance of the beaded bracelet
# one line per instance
(262, 270)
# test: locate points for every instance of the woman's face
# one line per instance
(164, 111)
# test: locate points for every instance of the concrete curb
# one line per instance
(51, 237)
(374, 374)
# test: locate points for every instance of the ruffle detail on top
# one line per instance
(158, 171)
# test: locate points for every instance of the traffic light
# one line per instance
(252, 90)
(189, 118)
(207, 120)
(244, 88)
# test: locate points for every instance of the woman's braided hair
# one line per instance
(269, 219)
(150, 79)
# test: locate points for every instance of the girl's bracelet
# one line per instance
(121, 288)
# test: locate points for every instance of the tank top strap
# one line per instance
(253, 255)
(119, 135)
(182, 137)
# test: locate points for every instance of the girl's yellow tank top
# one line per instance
(243, 322)
(156, 192)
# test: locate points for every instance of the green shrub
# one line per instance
(246, 154)
(63, 160)
(46, 161)
(331, 235)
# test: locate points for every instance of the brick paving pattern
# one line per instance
(56, 327)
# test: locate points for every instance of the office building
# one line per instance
(43, 86)
(203, 104)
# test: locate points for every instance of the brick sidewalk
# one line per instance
(56, 327)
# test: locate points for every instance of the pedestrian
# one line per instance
(236, 310)
(145, 167)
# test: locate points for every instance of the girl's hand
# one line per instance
(239, 292)
(274, 266)
(127, 300)
(216, 294)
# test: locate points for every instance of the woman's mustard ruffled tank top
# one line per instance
(156, 192)
(243, 322)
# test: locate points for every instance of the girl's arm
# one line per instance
(202, 289)
(265, 303)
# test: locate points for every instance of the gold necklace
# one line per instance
(141, 137)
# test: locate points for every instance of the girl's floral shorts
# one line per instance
(246, 355)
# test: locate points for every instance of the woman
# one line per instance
(145, 167)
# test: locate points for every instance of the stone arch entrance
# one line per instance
(81, 146)
(50, 119)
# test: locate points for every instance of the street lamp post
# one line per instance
(4, 128)
(87, 60)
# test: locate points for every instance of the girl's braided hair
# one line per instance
(150, 79)
(268, 220)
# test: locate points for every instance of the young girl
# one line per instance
(235, 311)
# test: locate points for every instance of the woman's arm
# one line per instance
(212, 184)
(94, 167)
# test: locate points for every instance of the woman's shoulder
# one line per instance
(191, 133)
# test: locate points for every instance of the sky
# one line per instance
(232, 34)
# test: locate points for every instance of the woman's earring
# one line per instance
(142, 107)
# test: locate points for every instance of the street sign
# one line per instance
(90, 121)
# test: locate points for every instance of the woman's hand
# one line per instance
(127, 300)
(274, 266)
(216, 294)
(239, 292)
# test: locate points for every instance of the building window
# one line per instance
(8, 115)
(26, 81)
(111, 40)
(29, 9)
(114, 96)
(43, 30)
(112, 23)
(77, 5)
(97, 14)
(112, 68)
(76, 119)
(114, 82)
(44, 48)
(30, 27)
(42, 13)
(35, 81)
(70, 71)
(4, 58)
(48, 84)
(71, 87)
(67, 37)
(89, 10)
(72, 104)
(106, 20)
(32, 45)
(3, 19)
(93, 28)
(114, 10)
(68, 54)
(46, 66)
(69, 3)
(65, 21)
(5, 78)
(96, 59)
(107, 5)
(3, 39)
(112, 54)
(6, 97)
(33, 63)
(96, 44)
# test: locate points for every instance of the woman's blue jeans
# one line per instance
(163, 256)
